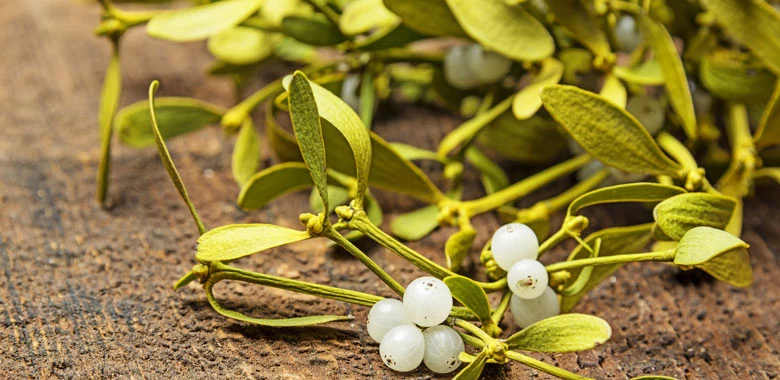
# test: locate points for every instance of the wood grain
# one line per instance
(86, 293)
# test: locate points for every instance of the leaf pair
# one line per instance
(716, 252)
(199, 22)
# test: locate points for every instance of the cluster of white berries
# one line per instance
(515, 249)
(402, 344)
(466, 67)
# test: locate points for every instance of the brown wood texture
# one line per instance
(86, 293)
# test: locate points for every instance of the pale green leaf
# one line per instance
(678, 214)
(109, 102)
(416, 224)
(241, 45)
(471, 295)
(389, 37)
(614, 241)
(718, 253)
(752, 22)
(562, 333)
(768, 132)
(474, 369)
(607, 132)
(246, 153)
(504, 28)
(305, 118)
(175, 116)
(165, 156)
(646, 74)
(734, 76)
(235, 241)
(676, 82)
(361, 16)
(411, 152)
(457, 248)
(338, 196)
(527, 101)
(314, 30)
(493, 177)
(732, 267)
(536, 140)
(282, 142)
(583, 26)
(641, 192)
(429, 17)
(199, 22)
(614, 90)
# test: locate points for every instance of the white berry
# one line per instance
(385, 315)
(403, 348)
(487, 67)
(428, 301)
(512, 243)
(649, 111)
(527, 312)
(627, 35)
(527, 279)
(456, 72)
(442, 346)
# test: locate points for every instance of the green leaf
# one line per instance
(305, 118)
(280, 322)
(338, 196)
(768, 132)
(411, 152)
(246, 153)
(646, 74)
(314, 30)
(467, 131)
(676, 82)
(527, 101)
(732, 76)
(504, 28)
(282, 142)
(361, 16)
(471, 295)
(429, 17)
(389, 37)
(614, 241)
(457, 247)
(614, 90)
(562, 333)
(109, 102)
(678, 214)
(718, 253)
(493, 177)
(417, 224)
(474, 369)
(235, 241)
(754, 23)
(536, 140)
(607, 132)
(165, 156)
(241, 45)
(273, 182)
(176, 116)
(642, 192)
(196, 23)
(583, 26)
(367, 98)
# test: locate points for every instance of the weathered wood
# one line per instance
(87, 293)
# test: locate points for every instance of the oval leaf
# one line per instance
(676, 82)
(505, 28)
(701, 244)
(678, 214)
(643, 192)
(536, 140)
(417, 224)
(583, 26)
(457, 247)
(474, 369)
(241, 45)
(235, 241)
(646, 74)
(274, 182)
(527, 101)
(176, 116)
(768, 132)
(314, 30)
(562, 333)
(607, 132)
(202, 21)
(361, 16)
(246, 153)
(471, 295)
(730, 75)
(430, 17)
(614, 90)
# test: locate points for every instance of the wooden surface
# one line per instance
(86, 293)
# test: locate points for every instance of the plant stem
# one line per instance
(498, 314)
(494, 286)
(522, 188)
(361, 223)
(677, 150)
(334, 235)
(470, 327)
(544, 367)
(667, 255)
(553, 240)
(563, 199)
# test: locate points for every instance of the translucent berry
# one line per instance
(403, 348)
(385, 315)
(456, 72)
(527, 312)
(627, 35)
(442, 347)
(649, 111)
(527, 279)
(486, 66)
(427, 301)
(513, 242)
